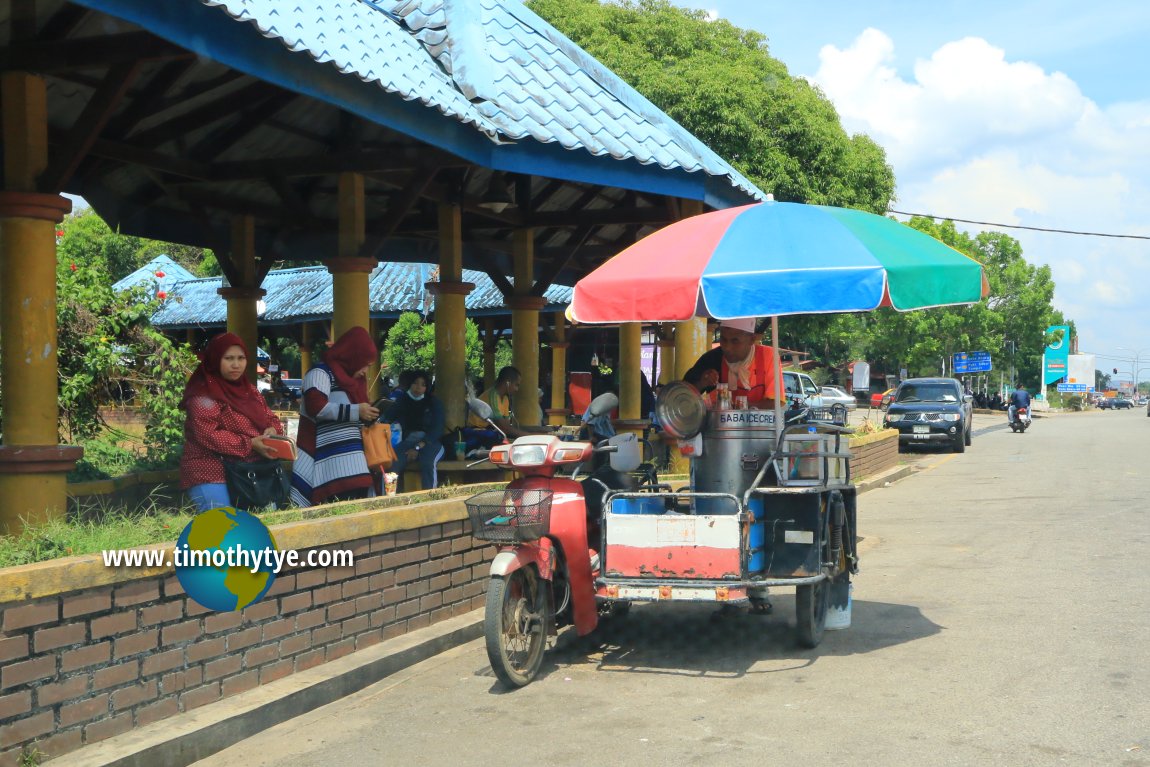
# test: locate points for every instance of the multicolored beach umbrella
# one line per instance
(773, 259)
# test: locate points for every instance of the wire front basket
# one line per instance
(835, 414)
(510, 516)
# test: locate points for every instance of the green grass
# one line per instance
(98, 527)
(112, 530)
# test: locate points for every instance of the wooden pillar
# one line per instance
(666, 353)
(32, 463)
(304, 349)
(631, 415)
(691, 341)
(373, 387)
(243, 317)
(490, 341)
(349, 272)
(558, 412)
(451, 318)
(525, 327)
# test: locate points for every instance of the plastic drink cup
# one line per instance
(390, 482)
(460, 451)
(741, 402)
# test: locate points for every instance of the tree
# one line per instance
(108, 351)
(410, 345)
(88, 242)
(720, 83)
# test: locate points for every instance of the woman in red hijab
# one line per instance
(331, 465)
(226, 419)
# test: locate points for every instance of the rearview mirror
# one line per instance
(479, 407)
(603, 404)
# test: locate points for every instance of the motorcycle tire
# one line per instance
(515, 625)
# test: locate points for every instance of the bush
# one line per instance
(103, 459)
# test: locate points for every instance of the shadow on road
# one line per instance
(697, 640)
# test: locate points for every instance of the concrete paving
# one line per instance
(223, 727)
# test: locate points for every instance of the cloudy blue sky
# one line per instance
(1026, 113)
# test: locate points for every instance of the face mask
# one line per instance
(413, 397)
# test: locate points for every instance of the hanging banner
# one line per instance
(1057, 353)
(860, 381)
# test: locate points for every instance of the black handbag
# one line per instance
(257, 484)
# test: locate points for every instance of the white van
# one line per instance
(800, 386)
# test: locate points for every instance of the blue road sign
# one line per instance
(972, 362)
(1072, 387)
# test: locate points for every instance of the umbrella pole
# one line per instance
(779, 390)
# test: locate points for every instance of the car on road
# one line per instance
(801, 387)
(931, 411)
(833, 395)
(292, 388)
(881, 399)
(1115, 403)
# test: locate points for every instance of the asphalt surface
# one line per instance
(1000, 618)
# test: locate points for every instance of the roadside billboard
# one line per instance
(1057, 354)
(1080, 370)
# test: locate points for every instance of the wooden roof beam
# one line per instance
(67, 157)
(599, 217)
(251, 118)
(88, 52)
(330, 164)
(146, 158)
(398, 206)
(221, 108)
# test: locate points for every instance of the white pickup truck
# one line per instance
(800, 386)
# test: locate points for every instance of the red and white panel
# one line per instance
(672, 546)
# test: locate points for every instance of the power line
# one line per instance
(1030, 228)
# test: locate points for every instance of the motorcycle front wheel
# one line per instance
(515, 626)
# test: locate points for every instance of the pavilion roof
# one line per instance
(305, 294)
(177, 119)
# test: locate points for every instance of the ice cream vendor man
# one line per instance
(748, 368)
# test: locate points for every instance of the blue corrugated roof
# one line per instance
(305, 294)
(149, 274)
(532, 82)
(513, 83)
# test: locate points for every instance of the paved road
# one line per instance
(1000, 618)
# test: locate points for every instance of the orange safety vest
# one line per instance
(761, 375)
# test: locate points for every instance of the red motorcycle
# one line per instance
(542, 577)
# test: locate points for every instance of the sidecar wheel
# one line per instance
(515, 626)
(811, 610)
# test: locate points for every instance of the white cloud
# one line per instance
(975, 135)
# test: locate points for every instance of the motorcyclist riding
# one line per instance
(1019, 398)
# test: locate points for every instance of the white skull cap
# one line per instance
(747, 324)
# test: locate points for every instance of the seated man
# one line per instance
(478, 432)
(748, 368)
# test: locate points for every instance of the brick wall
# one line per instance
(81, 666)
(874, 454)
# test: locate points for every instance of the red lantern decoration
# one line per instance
(160, 275)
(73, 265)
(161, 295)
(59, 232)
